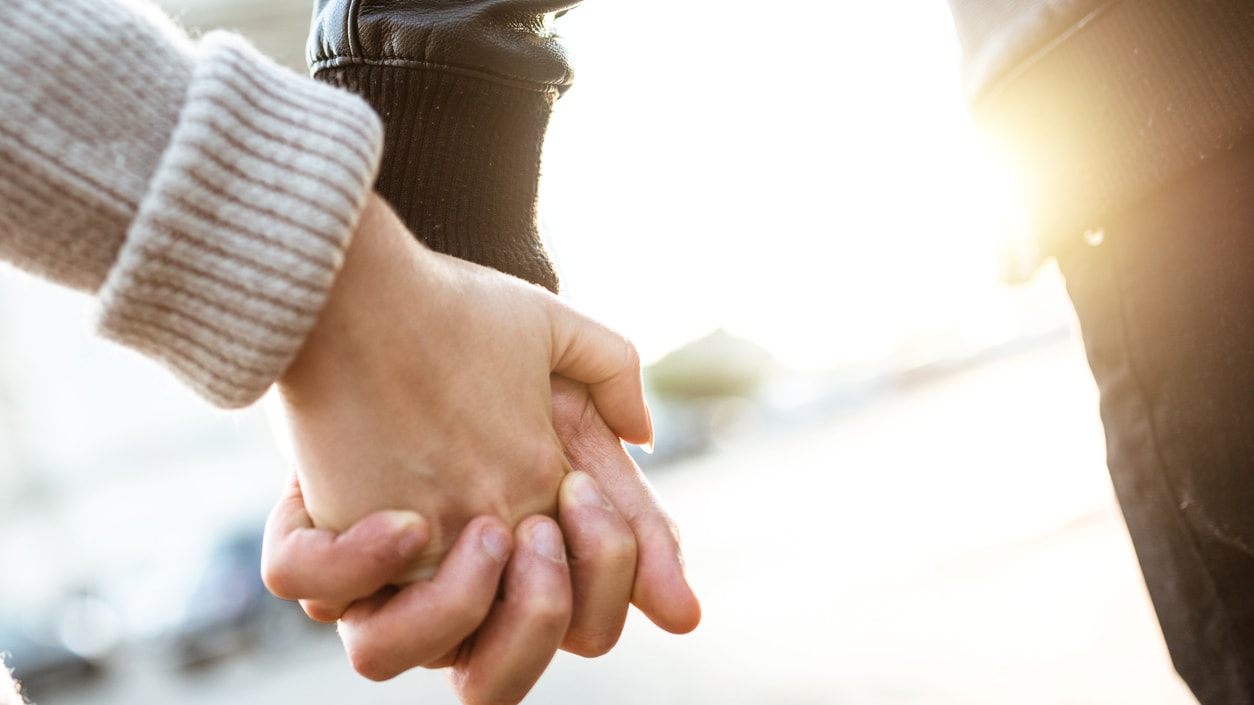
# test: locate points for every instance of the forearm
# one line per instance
(465, 90)
(204, 194)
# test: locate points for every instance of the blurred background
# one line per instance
(887, 463)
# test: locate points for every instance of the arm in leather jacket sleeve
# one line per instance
(465, 89)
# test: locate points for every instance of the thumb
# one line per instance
(322, 568)
(587, 351)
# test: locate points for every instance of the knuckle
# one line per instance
(460, 614)
(669, 528)
(320, 612)
(461, 609)
(590, 644)
(602, 548)
(369, 662)
(631, 355)
(547, 613)
(473, 690)
(548, 456)
(536, 490)
(618, 548)
(603, 644)
(278, 580)
(379, 558)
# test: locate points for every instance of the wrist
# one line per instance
(461, 160)
(240, 234)
(384, 270)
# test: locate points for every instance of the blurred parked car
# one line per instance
(65, 643)
(230, 609)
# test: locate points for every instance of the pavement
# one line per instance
(952, 541)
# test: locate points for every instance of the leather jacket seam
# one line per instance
(1012, 74)
(349, 61)
(351, 27)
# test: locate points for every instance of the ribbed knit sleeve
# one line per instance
(205, 194)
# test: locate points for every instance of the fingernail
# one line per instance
(586, 492)
(496, 542)
(648, 447)
(547, 541)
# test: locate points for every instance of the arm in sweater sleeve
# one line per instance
(202, 193)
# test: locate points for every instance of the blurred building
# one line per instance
(277, 27)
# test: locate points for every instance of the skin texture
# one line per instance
(660, 588)
(502, 599)
(425, 385)
(494, 643)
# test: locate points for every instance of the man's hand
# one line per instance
(494, 613)
(620, 547)
(659, 587)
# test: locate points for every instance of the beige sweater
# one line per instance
(203, 194)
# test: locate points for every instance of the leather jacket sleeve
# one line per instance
(465, 89)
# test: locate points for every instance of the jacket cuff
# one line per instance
(245, 223)
(461, 161)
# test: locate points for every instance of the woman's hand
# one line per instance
(425, 386)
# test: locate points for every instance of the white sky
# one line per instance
(807, 178)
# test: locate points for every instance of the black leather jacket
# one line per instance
(504, 40)
(465, 89)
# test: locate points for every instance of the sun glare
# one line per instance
(813, 185)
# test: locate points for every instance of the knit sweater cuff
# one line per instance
(244, 227)
(461, 165)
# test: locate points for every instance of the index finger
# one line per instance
(417, 625)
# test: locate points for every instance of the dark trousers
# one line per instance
(1166, 306)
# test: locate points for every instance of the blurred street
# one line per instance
(909, 505)
(953, 540)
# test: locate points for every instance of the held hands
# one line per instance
(433, 412)
(425, 386)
